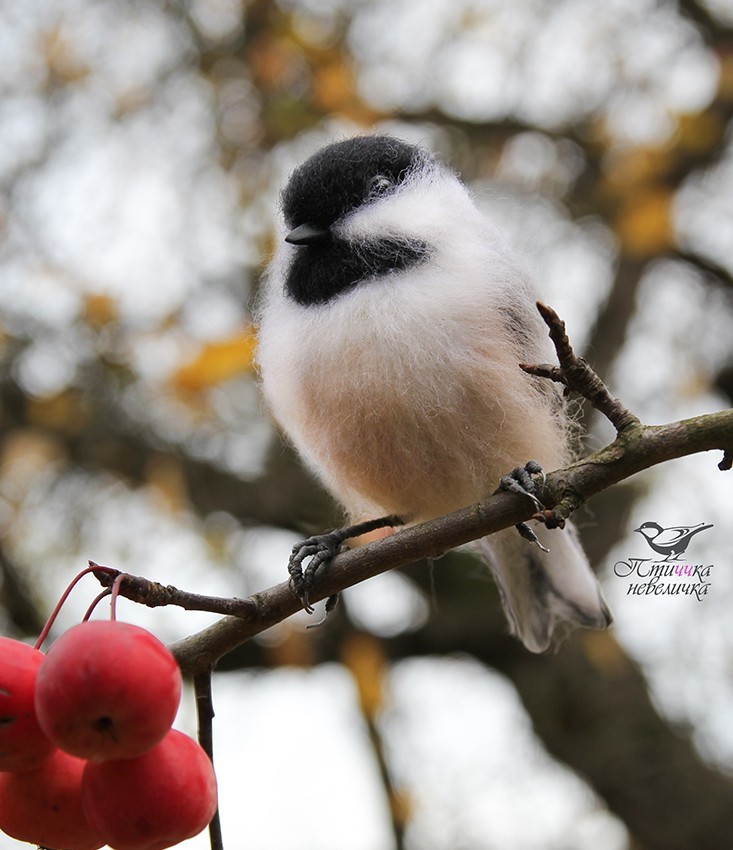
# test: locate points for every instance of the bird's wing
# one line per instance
(670, 536)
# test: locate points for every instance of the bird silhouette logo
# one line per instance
(670, 542)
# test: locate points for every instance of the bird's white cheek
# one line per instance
(417, 210)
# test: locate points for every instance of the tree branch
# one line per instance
(155, 595)
(639, 447)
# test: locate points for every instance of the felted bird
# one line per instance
(670, 542)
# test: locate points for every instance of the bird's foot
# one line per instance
(521, 480)
(318, 550)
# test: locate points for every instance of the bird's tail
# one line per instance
(544, 594)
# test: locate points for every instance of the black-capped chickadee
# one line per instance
(393, 321)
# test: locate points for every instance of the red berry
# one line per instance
(107, 690)
(23, 746)
(153, 801)
(43, 806)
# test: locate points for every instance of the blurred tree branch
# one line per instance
(590, 706)
(18, 598)
(113, 442)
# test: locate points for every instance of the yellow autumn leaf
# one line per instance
(166, 480)
(700, 132)
(333, 86)
(99, 309)
(276, 62)
(635, 167)
(27, 452)
(364, 657)
(334, 90)
(604, 653)
(293, 648)
(643, 225)
(216, 362)
(66, 412)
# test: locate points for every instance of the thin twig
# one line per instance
(577, 375)
(205, 715)
(155, 595)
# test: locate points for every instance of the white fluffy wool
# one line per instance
(405, 396)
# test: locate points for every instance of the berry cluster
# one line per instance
(87, 753)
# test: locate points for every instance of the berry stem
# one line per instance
(97, 599)
(114, 593)
(64, 596)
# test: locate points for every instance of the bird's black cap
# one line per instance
(341, 176)
(332, 183)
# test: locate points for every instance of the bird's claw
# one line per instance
(521, 480)
(526, 532)
(331, 603)
(320, 548)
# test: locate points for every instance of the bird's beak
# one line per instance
(308, 234)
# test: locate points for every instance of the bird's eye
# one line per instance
(378, 184)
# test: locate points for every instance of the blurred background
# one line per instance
(143, 146)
